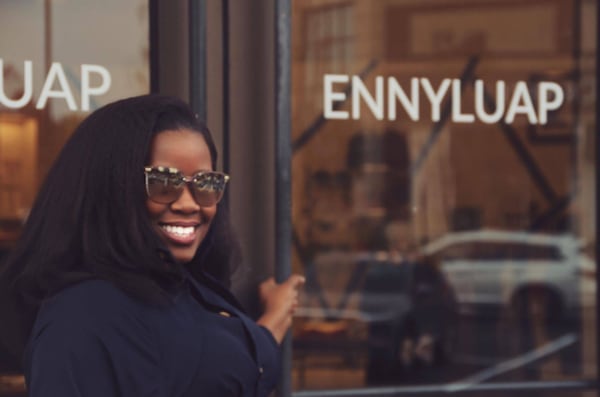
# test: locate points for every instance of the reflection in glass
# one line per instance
(501, 214)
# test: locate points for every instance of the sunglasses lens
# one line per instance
(207, 198)
(209, 188)
(161, 188)
(166, 185)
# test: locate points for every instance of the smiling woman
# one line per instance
(119, 283)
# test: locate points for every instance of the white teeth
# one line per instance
(181, 231)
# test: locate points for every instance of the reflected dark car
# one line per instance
(3, 253)
(413, 319)
(400, 315)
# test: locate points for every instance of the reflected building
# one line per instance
(439, 115)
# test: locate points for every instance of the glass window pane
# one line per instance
(459, 248)
(59, 61)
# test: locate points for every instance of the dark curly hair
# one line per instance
(89, 219)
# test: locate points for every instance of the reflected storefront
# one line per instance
(59, 61)
(444, 196)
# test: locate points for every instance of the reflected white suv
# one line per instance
(531, 273)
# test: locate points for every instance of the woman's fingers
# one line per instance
(296, 281)
(280, 303)
(282, 297)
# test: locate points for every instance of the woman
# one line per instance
(125, 261)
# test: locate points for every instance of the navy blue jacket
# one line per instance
(93, 340)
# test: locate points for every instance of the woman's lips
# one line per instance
(180, 234)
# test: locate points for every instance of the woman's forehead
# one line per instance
(185, 150)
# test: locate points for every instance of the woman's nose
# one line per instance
(186, 201)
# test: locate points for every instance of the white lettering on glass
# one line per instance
(435, 97)
(547, 90)
(330, 97)
(57, 87)
(86, 90)
(27, 87)
(360, 90)
(56, 74)
(550, 96)
(411, 106)
(480, 102)
(457, 114)
(521, 103)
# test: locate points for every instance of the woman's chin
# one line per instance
(183, 254)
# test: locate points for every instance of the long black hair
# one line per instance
(89, 219)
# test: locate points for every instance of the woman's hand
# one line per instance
(279, 302)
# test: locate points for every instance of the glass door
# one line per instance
(443, 196)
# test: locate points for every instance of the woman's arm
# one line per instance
(280, 302)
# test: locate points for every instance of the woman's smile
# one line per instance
(179, 234)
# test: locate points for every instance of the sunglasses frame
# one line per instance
(189, 181)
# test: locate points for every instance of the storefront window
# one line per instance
(444, 193)
(59, 60)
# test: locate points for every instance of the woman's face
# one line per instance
(182, 224)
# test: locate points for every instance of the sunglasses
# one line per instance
(164, 185)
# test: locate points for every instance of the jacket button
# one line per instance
(224, 314)
(261, 370)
